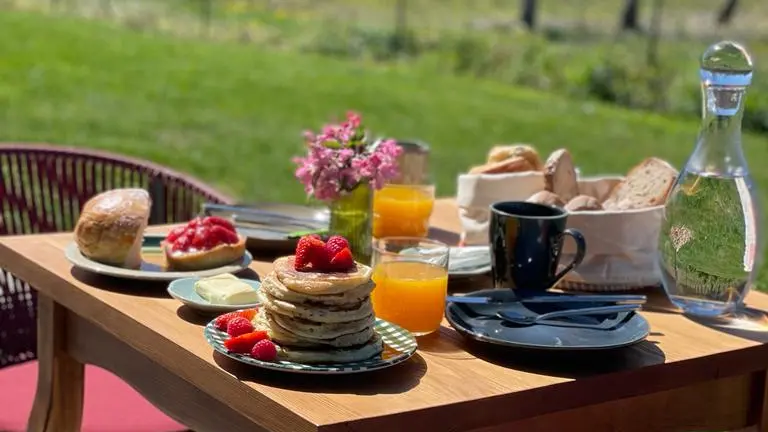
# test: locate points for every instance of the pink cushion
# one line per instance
(110, 404)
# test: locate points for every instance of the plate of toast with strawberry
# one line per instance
(110, 239)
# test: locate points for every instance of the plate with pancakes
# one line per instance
(316, 309)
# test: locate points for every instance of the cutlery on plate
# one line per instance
(628, 299)
(547, 318)
(250, 215)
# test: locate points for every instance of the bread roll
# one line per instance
(583, 202)
(511, 165)
(503, 152)
(111, 227)
(560, 175)
(546, 197)
(646, 185)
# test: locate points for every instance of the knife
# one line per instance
(260, 217)
(626, 299)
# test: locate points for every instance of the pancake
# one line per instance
(284, 337)
(272, 285)
(323, 314)
(373, 347)
(309, 329)
(315, 283)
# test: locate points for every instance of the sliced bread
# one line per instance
(560, 175)
(646, 185)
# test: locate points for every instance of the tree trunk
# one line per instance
(528, 13)
(630, 16)
(725, 14)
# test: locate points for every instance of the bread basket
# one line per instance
(621, 244)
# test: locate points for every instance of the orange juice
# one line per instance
(410, 294)
(402, 211)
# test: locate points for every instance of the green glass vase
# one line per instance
(352, 217)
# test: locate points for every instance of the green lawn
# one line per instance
(233, 114)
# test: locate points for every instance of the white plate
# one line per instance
(151, 266)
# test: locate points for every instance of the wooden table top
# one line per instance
(451, 381)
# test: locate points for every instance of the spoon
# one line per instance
(546, 318)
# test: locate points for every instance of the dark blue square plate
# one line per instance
(473, 321)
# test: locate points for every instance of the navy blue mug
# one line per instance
(526, 242)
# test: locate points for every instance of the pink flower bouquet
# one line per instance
(341, 158)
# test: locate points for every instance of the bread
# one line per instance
(583, 202)
(560, 175)
(546, 197)
(511, 165)
(503, 152)
(217, 256)
(646, 185)
(111, 226)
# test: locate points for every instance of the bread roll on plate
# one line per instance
(111, 227)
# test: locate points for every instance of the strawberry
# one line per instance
(335, 244)
(182, 243)
(219, 221)
(175, 233)
(244, 343)
(220, 234)
(264, 350)
(308, 250)
(200, 239)
(194, 223)
(222, 320)
(343, 260)
(239, 326)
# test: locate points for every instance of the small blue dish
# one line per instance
(183, 290)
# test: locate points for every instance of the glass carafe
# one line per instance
(708, 245)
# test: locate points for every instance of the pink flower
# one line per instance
(339, 159)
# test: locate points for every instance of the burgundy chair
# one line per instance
(42, 189)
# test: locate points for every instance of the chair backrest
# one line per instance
(43, 188)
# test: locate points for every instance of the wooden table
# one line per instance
(686, 376)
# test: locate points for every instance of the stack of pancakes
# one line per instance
(319, 317)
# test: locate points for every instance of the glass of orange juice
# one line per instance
(401, 210)
(411, 276)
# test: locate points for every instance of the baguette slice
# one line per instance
(646, 185)
(560, 175)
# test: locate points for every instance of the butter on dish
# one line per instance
(226, 289)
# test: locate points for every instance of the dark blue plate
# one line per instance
(473, 321)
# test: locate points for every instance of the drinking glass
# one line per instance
(411, 276)
(401, 210)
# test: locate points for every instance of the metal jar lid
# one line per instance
(413, 163)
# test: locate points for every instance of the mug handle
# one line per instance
(581, 249)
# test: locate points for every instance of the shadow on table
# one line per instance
(568, 364)
(195, 316)
(750, 323)
(393, 380)
(448, 237)
(124, 286)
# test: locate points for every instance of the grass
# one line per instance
(233, 114)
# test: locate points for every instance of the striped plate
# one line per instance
(399, 346)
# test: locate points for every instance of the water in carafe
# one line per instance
(708, 244)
